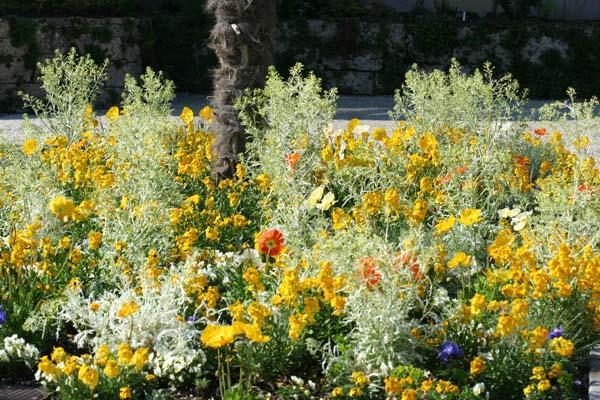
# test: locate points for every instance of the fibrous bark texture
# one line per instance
(242, 41)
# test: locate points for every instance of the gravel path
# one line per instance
(371, 110)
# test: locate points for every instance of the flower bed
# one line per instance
(454, 257)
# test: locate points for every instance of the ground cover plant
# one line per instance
(454, 257)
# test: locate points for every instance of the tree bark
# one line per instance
(242, 41)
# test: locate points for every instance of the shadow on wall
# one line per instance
(551, 9)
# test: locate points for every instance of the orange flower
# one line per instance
(521, 160)
(540, 131)
(445, 179)
(462, 169)
(292, 159)
(368, 269)
(408, 261)
(270, 242)
(585, 189)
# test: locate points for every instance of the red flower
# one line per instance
(291, 160)
(540, 131)
(521, 160)
(585, 188)
(367, 268)
(409, 261)
(461, 170)
(270, 242)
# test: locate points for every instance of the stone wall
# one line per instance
(24, 42)
(357, 56)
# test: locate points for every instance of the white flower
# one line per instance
(479, 388)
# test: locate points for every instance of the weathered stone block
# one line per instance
(396, 39)
(536, 47)
(353, 82)
(4, 28)
(324, 30)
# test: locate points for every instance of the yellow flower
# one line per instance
(337, 392)
(538, 373)
(478, 303)
(470, 216)
(29, 147)
(95, 240)
(393, 385)
(359, 378)
(89, 376)
(102, 355)
(62, 208)
(263, 182)
(124, 353)
(409, 394)
(71, 365)
(216, 336)
(206, 114)
(111, 370)
(506, 325)
(211, 233)
(187, 116)
(125, 393)
(562, 346)
(444, 225)
(112, 113)
(140, 358)
(477, 366)
(340, 219)
(47, 367)
(58, 355)
(127, 309)
(459, 259)
(355, 392)
(544, 385)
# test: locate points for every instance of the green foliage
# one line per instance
(71, 84)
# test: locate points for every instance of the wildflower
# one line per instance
(29, 146)
(291, 160)
(94, 306)
(478, 303)
(102, 355)
(89, 376)
(62, 208)
(112, 114)
(540, 131)
(337, 392)
(449, 350)
(562, 346)
(470, 216)
(459, 259)
(444, 225)
(124, 353)
(355, 392)
(95, 240)
(340, 219)
(479, 388)
(506, 325)
(393, 385)
(216, 336)
(187, 116)
(127, 309)
(47, 367)
(125, 393)
(368, 270)
(270, 242)
(139, 358)
(409, 394)
(111, 369)
(58, 355)
(556, 333)
(477, 366)
(359, 378)
(206, 114)
(3, 315)
(544, 385)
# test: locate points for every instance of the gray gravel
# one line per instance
(371, 110)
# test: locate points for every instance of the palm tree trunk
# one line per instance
(242, 41)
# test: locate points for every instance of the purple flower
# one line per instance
(449, 350)
(578, 383)
(556, 333)
(192, 319)
(3, 316)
